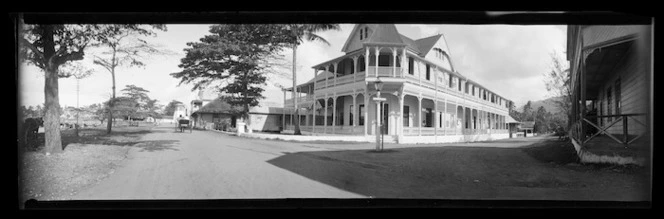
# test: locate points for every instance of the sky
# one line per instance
(507, 59)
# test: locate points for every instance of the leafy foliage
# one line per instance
(558, 84)
(236, 56)
(169, 110)
(48, 47)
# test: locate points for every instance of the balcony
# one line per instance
(346, 79)
(384, 71)
(289, 102)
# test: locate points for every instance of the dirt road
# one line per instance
(204, 165)
(211, 165)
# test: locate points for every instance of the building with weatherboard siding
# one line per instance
(611, 82)
(427, 99)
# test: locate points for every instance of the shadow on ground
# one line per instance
(456, 172)
(119, 137)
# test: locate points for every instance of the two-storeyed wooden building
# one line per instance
(427, 99)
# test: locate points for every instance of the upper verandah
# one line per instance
(367, 40)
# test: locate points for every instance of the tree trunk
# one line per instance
(246, 119)
(296, 113)
(111, 103)
(53, 139)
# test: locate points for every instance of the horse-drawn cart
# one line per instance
(184, 124)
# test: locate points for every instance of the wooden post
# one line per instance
(583, 100)
(625, 130)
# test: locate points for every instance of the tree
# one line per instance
(527, 114)
(301, 32)
(541, 120)
(98, 112)
(558, 83)
(125, 48)
(237, 56)
(141, 98)
(79, 72)
(169, 110)
(49, 46)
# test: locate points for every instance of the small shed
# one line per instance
(527, 128)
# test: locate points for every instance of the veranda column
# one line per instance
(445, 116)
(435, 103)
(336, 64)
(334, 113)
(400, 119)
(313, 125)
(325, 123)
(435, 117)
(366, 112)
(366, 67)
(326, 83)
(394, 62)
(376, 63)
(404, 62)
(419, 111)
(355, 68)
(355, 107)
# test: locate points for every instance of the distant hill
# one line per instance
(548, 104)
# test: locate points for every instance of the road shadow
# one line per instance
(452, 172)
(122, 137)
(157, 145)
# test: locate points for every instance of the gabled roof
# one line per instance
(527, 125)
(410, 43)
(218, 105)
(385, 33)
(425, 44)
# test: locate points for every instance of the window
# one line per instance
(618, 96)
(473, 91)
(366, 32)
(411, 64)
(440, 119)
(361, 34)
(350, 118)
(608, 104)
(451, 82)
(406, 116)
(428, 76)
(361, 111)
(459, 84)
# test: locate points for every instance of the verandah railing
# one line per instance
(603, 129)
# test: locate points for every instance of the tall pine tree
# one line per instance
(235, 57)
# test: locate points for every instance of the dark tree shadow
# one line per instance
(452, 172)
(157, 145)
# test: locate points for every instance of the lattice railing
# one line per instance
(603, 129)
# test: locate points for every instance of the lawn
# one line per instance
(85, 161)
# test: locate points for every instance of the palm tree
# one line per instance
(300, 33)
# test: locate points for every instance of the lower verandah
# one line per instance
(344, 118)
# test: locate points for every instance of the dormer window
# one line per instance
(439, 53)
(364, 33)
